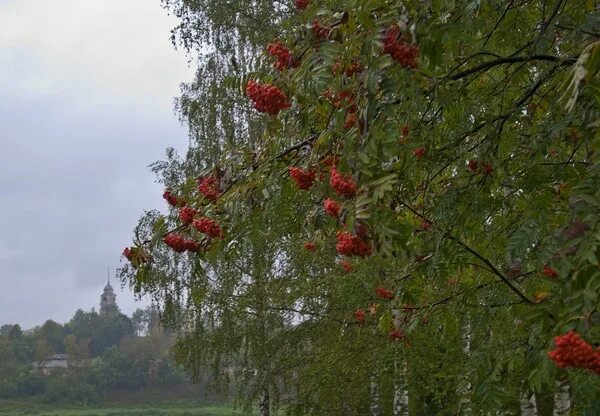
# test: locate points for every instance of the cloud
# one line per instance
(86, 91)
(104, 49)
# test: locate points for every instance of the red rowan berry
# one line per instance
(405, 131)
(350, 120)
(209, 227)
(394, 44)
(352, 245)
(354, 68)
(176, 242)
(187, 214)
(332, 208)
(310, 246)
(572, 351)
(419, 152)
(285, 59)
(209, 187)
(396, 335)
(384, 293)
(346, 265)
(173, 200)
(473, 166)
(549, 271)
(267, 98)
(320, 32)
(359, 315)
(191, 245)
(302, 178)
(301, 4)
(343, 185)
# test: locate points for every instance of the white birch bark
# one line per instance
(264, 405)
(465, 386)
(401, 397)
(528, 405)
(375, 407)
(400, 405)
(562, 399)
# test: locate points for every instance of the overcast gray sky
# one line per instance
(86, 92)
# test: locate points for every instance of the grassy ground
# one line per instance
(25, 409)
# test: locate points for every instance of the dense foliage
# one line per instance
(387, 206)
(104, 352)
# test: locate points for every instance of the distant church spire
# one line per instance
(108, 299)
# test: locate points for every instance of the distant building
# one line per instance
(59, 362)
(52, 363)
(108, 300)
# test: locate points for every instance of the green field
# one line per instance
(23, 409)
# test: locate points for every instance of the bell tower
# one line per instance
(108, 299)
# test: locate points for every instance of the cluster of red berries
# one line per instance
(352, 245)
(359, 315)
(332, 208)
(310, 246)
(396, 335)
(405, 131)
(181, 244)
(419, 152)
(474, 167)
(173, 200)
(321, 32)
(549, 272)
(343, 185)
(341, 99)
(302, 178)
(209, 187)
(384, 293)
(135, 255)
(572, 351)
(285, 59)
(187, 214)
(267, 98)
(354, 68)
(209, 227)
(301, 4)
(330, 161)
(394, 44)
(335, 68)
(346, 265)
(351, 119)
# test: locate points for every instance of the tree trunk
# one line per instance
(464, 389)
(400, 405)
(375, 408)
(528, 405)
(562, 399)
(264, 405)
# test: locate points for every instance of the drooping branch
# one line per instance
(511, 60)
(493, 269)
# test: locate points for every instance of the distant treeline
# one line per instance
(104, 352)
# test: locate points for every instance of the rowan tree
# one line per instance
(459, 142)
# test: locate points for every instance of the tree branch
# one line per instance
(510, 60)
